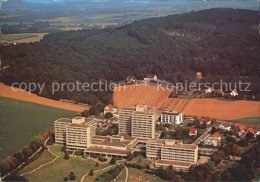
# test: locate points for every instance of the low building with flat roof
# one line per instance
(112, 146)
(170, 152)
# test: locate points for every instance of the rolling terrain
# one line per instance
(164, 46)
(213, 108)
(7, 92)
(21, 121)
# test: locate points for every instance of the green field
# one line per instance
(12, 37)
(21, 121)
(60, 168)
(250, 120)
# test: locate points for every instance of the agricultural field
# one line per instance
(250, 120)
(149, 94)
(60, 168)
(8, 92)
(21, 38)
(21, 121)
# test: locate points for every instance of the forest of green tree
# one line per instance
(221, 43)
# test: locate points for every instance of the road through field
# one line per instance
(213, 108)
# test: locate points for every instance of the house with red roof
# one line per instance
(209, 90)
(213, 140)
(251, 130)
(234, 93)
(193, 132)
(220, 91)
(240, 129)
(110, 108)
(198, 75)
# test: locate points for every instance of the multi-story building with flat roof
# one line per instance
(143, 122)
(76, 133)
(138, 121)
(172, 153)
(125, 119)
(172, 117)
(60, 130)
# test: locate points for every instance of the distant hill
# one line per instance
(221, 43)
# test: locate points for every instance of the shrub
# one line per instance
(91, 173)
(66, 155)
(102, 159)
(113, 161)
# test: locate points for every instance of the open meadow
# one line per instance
(7, 91)
(21, 121)
(21, 38)
(50, 170)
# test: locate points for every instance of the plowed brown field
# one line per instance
(6, 91)
(213, 108)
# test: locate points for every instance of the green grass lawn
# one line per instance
(60, 168)
(121, 176)
(21, 121)
(12, 37)
(250, 120)
(138, 175)
(144, 161)
(44, 158)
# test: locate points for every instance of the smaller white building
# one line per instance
(234, 93)
(213, 140)
(225, 126)
(209, 90)
(110, 108)
(151, 77)
(172, 117)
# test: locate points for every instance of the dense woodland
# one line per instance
(221, 43)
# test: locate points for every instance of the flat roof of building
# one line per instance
(182, 146)
(157, 141)
(105, 140)
(68, 120)
(128, 108)
(174, 163)
(107, 151)
(176, 144)
(84, 124)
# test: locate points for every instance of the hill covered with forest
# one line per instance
(221, 43)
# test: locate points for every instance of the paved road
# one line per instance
(202, 137)
(126, 171)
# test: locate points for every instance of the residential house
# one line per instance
(151, 77)
(220, 91)
(214, 140)
(193, 132)
(234, 93)
(225, 126)
(240, 129)
(250, 129)
(131, 79)
(209, 90)
(198, 75)
(110, 108)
